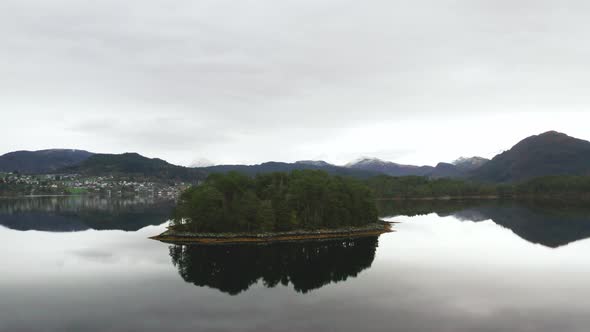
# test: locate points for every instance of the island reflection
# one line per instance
(233, 269)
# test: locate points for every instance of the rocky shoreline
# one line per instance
(180, 237)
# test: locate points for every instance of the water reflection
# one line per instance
(434, 274)
(307, 266)
(549, 224)
(70, 214)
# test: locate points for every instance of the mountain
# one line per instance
(133, 164)
(319, 163)
(458, 169)
(201, 162)
(550, 153)
(446, 170)
(272, 166)
(470, 164)
(43, 161)
(388, 168)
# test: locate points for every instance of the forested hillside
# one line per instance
(135, 165)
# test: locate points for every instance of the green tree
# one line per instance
(275, 202)
(265, 216)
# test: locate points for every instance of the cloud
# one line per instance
(251, 81)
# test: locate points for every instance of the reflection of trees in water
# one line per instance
(66, 214)
(392, 208)
(306, 265)
(550, 223)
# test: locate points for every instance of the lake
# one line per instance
(86, 264)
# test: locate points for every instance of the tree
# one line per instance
(275, 202)
(265, 216)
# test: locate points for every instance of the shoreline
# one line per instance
(43, 196)
(513, 197)
(441, 198)
(175, 237)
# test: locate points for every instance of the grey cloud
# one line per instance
(235, 74)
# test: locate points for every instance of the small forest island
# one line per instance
(301, 205)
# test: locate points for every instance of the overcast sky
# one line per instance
(249, 81)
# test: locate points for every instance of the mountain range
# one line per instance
(273, 166)
(459, 168)
(550, 153)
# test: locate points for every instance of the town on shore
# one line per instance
(16, 184)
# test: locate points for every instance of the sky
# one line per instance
(414, 82)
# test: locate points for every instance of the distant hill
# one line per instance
(550, 153)
(388, 168)
(460, 168)
(133, 164)
(43, 161)
(314, 163)
(272, 166)
(446, 170)
(470, 164)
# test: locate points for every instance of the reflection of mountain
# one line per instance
(307, 265)
(391, 208)
(552, 225)
(68, 214)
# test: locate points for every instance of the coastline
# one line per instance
(176, 237)
(43, 196)
(570, 197)
(441, 198)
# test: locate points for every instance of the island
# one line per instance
(300, 205)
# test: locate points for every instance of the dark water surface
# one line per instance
(85, 264)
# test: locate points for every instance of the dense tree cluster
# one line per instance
(419, 186)
(571, 187)
(302, 199)
(550, 187)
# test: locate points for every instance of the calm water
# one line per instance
(81, 264)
